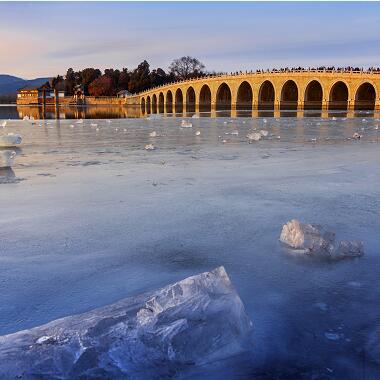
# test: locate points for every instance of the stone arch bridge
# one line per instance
(286, 90)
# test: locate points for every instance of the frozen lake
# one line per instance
(88, 217)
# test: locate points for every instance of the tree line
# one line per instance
(108, 83)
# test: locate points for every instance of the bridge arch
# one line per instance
(169, 102)
(178, 101)
(190, 99)
(154, 103)
(205, 99)
(338, 97)
(313, 95)
(244, 96)
(289, 95)
(161, 103)
(223, 98)
(143, 106)
(266, 96)
(148, 105)
(365, 96)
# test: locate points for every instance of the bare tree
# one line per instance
(186, 67)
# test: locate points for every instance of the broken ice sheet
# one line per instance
(194, 321)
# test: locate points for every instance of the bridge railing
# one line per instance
(263, 72)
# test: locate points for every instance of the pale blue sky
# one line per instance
(43, 39)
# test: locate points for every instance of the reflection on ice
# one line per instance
(194, 321)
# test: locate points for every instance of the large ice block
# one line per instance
(194, 321)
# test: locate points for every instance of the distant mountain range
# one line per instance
(10, 84)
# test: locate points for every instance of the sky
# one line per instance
(40, 39)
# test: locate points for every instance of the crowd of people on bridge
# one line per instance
(346, 69)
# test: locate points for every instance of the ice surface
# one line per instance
(315, 240)
(373, 345)
(10, 140)
(194, 321)
(97, 218)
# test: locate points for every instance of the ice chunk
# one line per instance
(332, 336)
(7, 158)
(9, 140)
(44, 339)
(197, 133)
(4, 124)
(264, 133)
(356, 136)
(307, 238)
(315, 240)
(153, 134)
(150, 147)
(94, 125)
(186, 124)
(254, 136)
(194, 321)
(195, 116)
